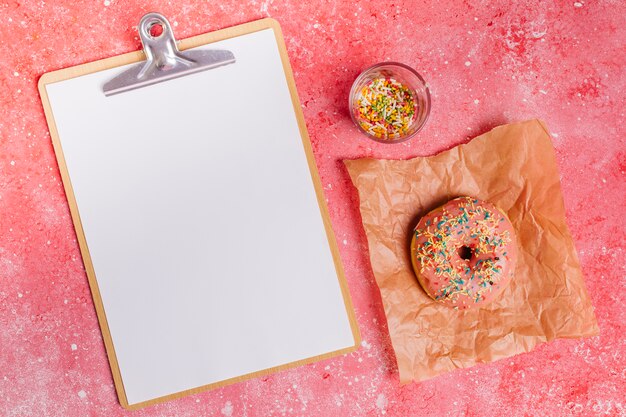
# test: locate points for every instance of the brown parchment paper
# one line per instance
(514, 167)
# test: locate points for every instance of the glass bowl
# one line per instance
(413, 86)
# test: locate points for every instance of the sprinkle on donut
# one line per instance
(464, 252)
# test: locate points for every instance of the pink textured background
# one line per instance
(559, 61)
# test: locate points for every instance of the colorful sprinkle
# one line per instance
(386, 108)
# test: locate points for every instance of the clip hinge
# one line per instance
(163, 59)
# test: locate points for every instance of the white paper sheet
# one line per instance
(202, 223)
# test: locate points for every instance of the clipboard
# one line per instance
(204, 233)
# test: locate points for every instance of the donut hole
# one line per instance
(465, 252)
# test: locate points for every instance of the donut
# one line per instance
(464, 253)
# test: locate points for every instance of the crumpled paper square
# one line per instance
(514, 167)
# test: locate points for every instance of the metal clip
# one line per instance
(163, 59)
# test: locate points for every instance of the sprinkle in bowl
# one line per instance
(389, 102)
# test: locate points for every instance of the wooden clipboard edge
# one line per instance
(133, 57)
(239, 378)
(317, 182)
(78, 227)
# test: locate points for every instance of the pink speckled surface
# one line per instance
(486, 65)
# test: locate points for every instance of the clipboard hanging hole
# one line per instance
(155, 30)
(153, 27)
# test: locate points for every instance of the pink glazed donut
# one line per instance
(464, 253)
